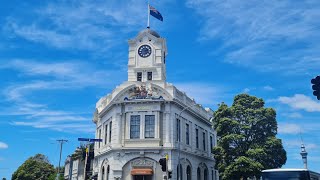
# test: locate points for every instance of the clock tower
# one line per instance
(147, 57)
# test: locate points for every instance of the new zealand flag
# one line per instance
(155, 13)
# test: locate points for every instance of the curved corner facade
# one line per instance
(145, 119)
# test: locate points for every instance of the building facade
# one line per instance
(145, 119)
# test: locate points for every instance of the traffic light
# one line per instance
(163, 163)
(316, 86)
(170, 174)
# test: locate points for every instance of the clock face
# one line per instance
(144, 51)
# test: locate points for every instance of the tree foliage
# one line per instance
(34, 168)
(247, 138)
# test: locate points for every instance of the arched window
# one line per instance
(102, 174)
(188, 172)
(198, 174)
(205, 174)
(179, 172)
(108, 172)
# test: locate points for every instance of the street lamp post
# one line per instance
(179, 139)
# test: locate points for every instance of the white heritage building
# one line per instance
(139, 121)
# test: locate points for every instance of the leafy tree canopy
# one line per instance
(247, 138)
(34, 168)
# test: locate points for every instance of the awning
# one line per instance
(141, 172)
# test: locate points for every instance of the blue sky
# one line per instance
(59, 57)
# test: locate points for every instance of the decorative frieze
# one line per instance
(142, 163)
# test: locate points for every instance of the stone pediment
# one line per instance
(134, 92)
(142, 92)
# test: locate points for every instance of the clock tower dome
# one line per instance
(147, 57)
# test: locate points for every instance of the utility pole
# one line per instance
(61, 141)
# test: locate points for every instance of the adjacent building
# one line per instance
(145, 119)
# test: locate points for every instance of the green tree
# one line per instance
(247, 140)
(34, 168)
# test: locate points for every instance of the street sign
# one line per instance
(95, 140)
(89, 140)
(83, 139)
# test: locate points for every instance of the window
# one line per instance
(139, 76)
(99, 136)
(198, 174)
(212, 175)
(211, 144)
(179, 172)
(204, 140)
(187, 134)
(110, 130)
(178, 130)
(149, 76)
(197, 138)
(188, 172)
(135, 127)
(149, 126)
(205, 174)
(102, 177)
(105, 133)
(108, 172)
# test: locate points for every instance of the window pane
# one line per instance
(187, 133)
(149, 126)
(110, 130)
(139, 76)
(135, 127)
(105, 134)
(178, 130)
(150, 76)
(99, 136)
(197, 138)
(204, 141)
(211, 144)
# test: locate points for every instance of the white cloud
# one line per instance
(264, 35)
(297, 144)
(246, 90)
(294, 115)
(65, 126)
(59, 76)
(66, 74)
(268, 88)
(84, 25)
(3, 145)
(301, 102)
(287, 128)
(206, 94)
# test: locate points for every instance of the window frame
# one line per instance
(110, 131)
(146, 131)
(139, 76)
(135, 124)
(149, 76)
(187, 134)
(178, 126)
(197, 138)
(204, 140)
(105, 134)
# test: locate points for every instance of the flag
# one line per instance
(155, 13)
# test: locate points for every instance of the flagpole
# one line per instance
(148, 25)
